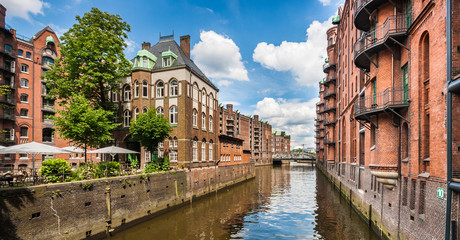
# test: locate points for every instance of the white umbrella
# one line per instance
(113, 150)
(74, 149)
(34, 149)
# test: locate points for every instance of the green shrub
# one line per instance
(157, 165)
(55, 170)
(108, 169)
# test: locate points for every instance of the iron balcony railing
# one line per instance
(379, 102)
(329, 92)
(329, 141)
(329, 107)
(393, 25)
(328, 66)
(331, 77)
(329, 121)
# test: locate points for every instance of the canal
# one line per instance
(283, 202)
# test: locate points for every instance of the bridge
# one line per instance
(300, 157)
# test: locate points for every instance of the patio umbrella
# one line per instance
(113, 150)
(32, 148)
(73, 149)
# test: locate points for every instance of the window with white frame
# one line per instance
(24, 68)
(194, 152)
(126, 118)
(211, 101)
(170, 143)
(175, 142)
(114, 97)
(160, 89)
(127, 93)
(160, 149)
(166, 61)
(203, 121)
(203, 97)
(173, 87)
(136, 89)
(145, 89)
(24, 97)
(210, 123)
(144, 110)
(173, 156)
(24, 83)
(147, 156)
(173, 115)
(194, 118)
(160, 111)
(203, 150)
(210, 150)
(136, 113)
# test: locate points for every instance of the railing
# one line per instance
(359, 5)
(328, 65)
(8, 69)
(329, 140)
(329, 121)
(329, 92)
(8, 117)
(393, 24)
(7, 99)
(329, 107)
(391, 96)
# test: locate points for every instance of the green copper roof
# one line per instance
(336, 19)
(169, 53)
(49, 39)
(145, 53)
(326, 60)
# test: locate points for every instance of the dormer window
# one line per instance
(144, 60)
(166, 61)
(168, 58)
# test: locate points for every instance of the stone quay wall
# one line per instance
(92, 209)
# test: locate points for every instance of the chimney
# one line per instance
(145, 46)
(2, 16)
(256, 118)
(230, 108)
(185, 44)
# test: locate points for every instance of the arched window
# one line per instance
(145, 89)
(170, 142)
(144, 110)
(175, 142)
(47, 61)
(160, 111)
(126, 118)
(211, 101)
(195, 92)
(24, 97)
(24, 68)
(24, 83)
(194, 118)
(160, 89)
(203, 97)
(28, 55)
(173, 88)
(203, 121)
(20, 52)
(136, 113)
(210, 123)
(114, 97)
(203, 150)
(136, 89)
(424, 61)
(173, 115)
(210, 150)
(127, 93)
(194, 150)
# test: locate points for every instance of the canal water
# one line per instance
(283, 202)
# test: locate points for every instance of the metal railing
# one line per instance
(392, 25)
(329, 140)
(327, 66)
(329, 92)
(391, 96)
(329, 107)
(359, 5)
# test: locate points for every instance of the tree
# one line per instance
(91, 59)
(150, 129)
(83, 124)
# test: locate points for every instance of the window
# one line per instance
(136, 89)
(145, 86)
(28, 55)
(24, 83)
(127, 93)
(48, 135)
(160, 89)
(144, 110)
(210, 150)
(20, 52)
(114, 97)
(145, 62)
(160, 149)
(160, 111)
(126, 118)
(170, 143)
(203, 150)
(175, 143)
(210, 123)
(194, 155)
(8, 48)
(194, 118)
(166, 61)
(203, 121)
(372, 135)
(203, 97)
(24, 97)
(173, 156)
(173, 88)
(24, 112)
(47, 61)
(136, 113)
(24, 132)
(24, 68)
(173, 115)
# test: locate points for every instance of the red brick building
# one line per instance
(381, 119)
(280, 142)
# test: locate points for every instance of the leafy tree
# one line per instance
(150, 129)
(83, 124)
(91, 59)
(298, 150)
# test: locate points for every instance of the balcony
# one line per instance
(332, 77)
(8, 99)
(10, 117)
(362, 10)
(329, 108)
(318, 120)
(330, 92)
(8, 69)
(327, 66)
(329, 122)
(392, 30)
(48, 107)
(329, 141)
(391, 98)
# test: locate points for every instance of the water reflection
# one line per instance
(281, 202)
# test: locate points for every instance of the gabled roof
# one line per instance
(182, 58)
(47, 28)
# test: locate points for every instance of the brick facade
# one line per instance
(280, 142)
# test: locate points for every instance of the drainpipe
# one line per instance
(449, 117)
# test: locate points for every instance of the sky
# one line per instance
(265, 57)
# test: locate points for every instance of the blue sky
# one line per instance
(265, 56)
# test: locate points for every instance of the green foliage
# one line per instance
(108, 169)
(87, 186)
(298, 150)
(55, 170)
(135, 163)
(84, 125)
(91, 59)
(158, 165)
(150, 129)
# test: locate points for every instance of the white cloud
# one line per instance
(303, 59)
(235, 104)
(23, 8)
(292, 116)
(132, 46)
(209, 10)
(219, 57)
(224, 83)
(325, 2)
(58, 30)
